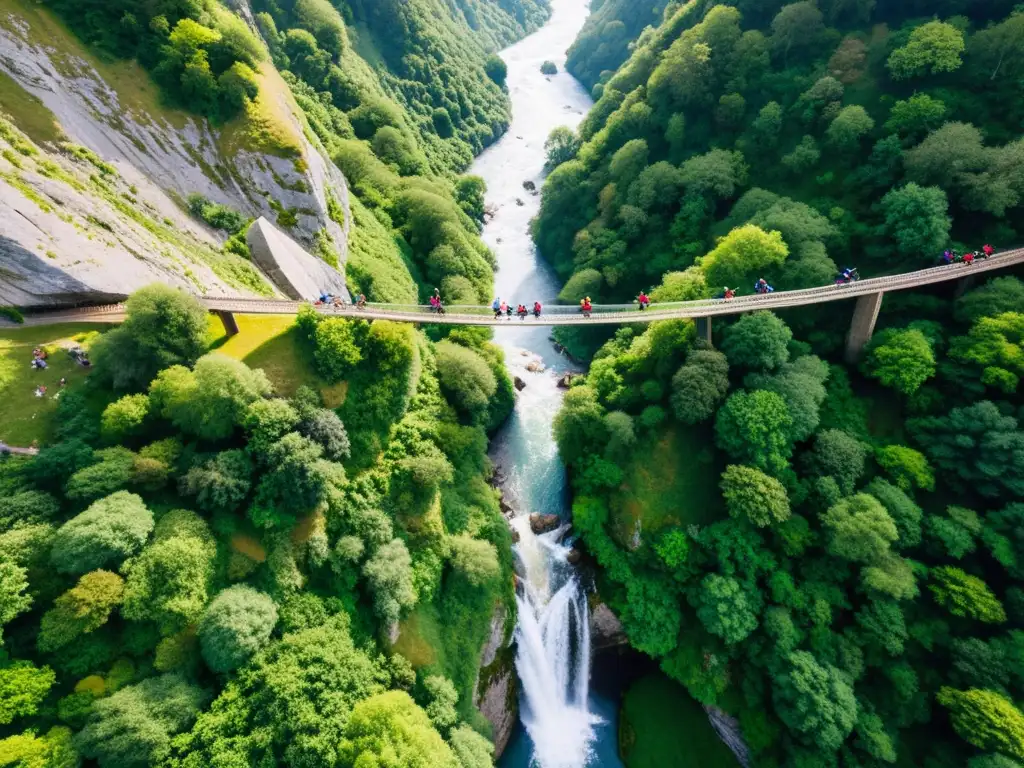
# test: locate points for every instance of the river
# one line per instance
(564, 723)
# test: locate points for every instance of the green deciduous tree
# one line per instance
(83, 608)
(220, 483)
(133, 728)
(236, 624)
(163, 327)
(317, 672)
(965, 595)
(168, 583)
(296, 481)
(699, 386)
(475, 560)
(757, 341)
(998, 295)
(900, 358)
(390, 728)
(210, 401)
(908, 469)
(23, 687)
(801, 384)
(912, 118)
(859, 529)
(266, 422)
(442, 700)
(985, 719)
(955, 533)
(754, 496)
(561, 146)
(849, 127)
(1001, 46)
(466, 380)
(838, 455)
(975, 446)
(726, 609)
(325, 428)
(388, 574)
(752, 427)
(580, 426)
(814, 700)
(473, 750)
(901, 508)
(110, 530)
(744, 255)
(798, 25)
(125, 417)
(13, 585)
(996, 346)
(917, 218)
(933, 47)
(652, 616)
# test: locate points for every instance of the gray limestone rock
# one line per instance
(299, 275)
(605, 628)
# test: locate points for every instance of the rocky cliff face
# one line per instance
(71, 236)
(496, 690)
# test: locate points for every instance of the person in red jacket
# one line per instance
(643, 300)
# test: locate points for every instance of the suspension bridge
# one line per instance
(868, 292)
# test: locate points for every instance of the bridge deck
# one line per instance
(570, 315)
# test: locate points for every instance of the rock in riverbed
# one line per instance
(519, 383)
(543, 523)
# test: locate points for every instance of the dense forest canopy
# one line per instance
(201, 572)
(828, 552)
(865, 134)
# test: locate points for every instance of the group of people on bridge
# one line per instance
(504, 309)
(762, 287)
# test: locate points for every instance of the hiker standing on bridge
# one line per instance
(503, 310)
(643, 300)
(536, 309)
(586, 306)
(496, 307)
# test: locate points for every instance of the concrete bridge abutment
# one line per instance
(704, 330)
(228, 320)
(862, 327)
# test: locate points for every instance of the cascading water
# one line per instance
(553, 634)
(553, 652)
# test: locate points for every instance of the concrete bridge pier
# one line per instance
(704, 330)
(865, 314)
(228, 320)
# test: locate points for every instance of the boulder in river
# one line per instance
(519, 202)
(574, 556)
(543, 523)
(529, 186)
(565, 382)
(535, 366)
(520, 384)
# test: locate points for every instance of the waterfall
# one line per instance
(553, 651)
